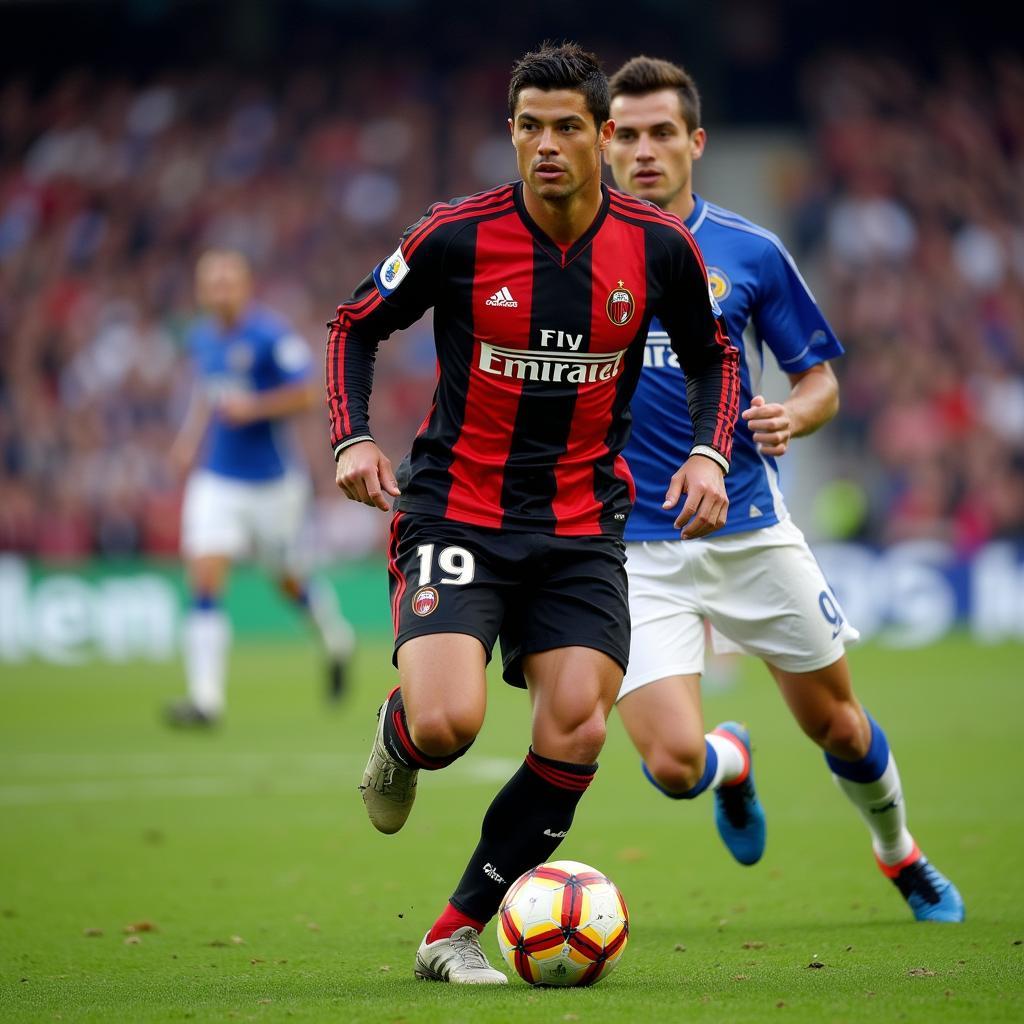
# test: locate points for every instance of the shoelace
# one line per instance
(467, 947)
(734, 803)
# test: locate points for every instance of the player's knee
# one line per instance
(586, 740)
(440, 732)
(845, 733)
(676, 770)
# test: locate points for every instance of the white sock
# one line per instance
(207, 635)
(336, 632)
(731, 762)
(881, 806)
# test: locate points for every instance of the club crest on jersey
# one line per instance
(424, 601)
(719, 282)
(391, 272)
(620, 305)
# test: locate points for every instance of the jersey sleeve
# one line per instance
(394, 295)
(786, 316)
(696, 328)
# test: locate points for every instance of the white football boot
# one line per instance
(388, 786)
(458, 960)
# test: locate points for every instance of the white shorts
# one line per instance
(761, 590)
(242, 519)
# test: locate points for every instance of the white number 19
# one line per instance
(456, 561)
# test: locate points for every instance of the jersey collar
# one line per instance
(696, 218)
(563, 257)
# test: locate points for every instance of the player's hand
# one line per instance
(770, 424)
(364, 473)
(239, 409)
(702, 481)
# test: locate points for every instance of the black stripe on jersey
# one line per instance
(432, 451)
(560, 301)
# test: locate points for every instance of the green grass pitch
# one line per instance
(152, 876)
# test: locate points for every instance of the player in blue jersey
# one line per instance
(755, 581)
(248, 494)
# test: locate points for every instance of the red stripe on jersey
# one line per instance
(488, 202)
(337, 397)
(479, 455)
(396, 572)
(618, 254)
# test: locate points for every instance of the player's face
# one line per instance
(652, 150)
(558, 146)
(223, 285)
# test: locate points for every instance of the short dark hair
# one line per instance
(565, 66)
(642, 75)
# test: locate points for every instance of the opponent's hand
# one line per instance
(702, 481)
(770, 424)
(364, 473)
(239, 409)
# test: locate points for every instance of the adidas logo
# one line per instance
(502, 297)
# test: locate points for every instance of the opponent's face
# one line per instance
(652, 151)
(223, 284)
(558, 146)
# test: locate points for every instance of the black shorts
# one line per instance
(537, 592)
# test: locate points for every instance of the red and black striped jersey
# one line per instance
(539, 348)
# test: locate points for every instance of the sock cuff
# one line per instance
(892, 870)
(710, 770)
(870, 767)
(396, 729)
(563, 774)
(205, 603)
(743, 752)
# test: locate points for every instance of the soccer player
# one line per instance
(248, 494)
(514, 496)
(756, 581)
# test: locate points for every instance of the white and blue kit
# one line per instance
(755, 580)
(249, 493)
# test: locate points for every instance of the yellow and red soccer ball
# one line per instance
(562, 923)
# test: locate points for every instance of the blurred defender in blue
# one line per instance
(247, 492)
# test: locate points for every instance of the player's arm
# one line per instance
(277, 403)
(393, 296)
(813, 400)
(710, 363)
(185, 447)
(794, 328)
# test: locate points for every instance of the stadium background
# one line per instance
(884, 144)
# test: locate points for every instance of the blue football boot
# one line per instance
(738, 812)
(929, 893)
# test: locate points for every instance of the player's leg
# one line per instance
(572, 690)
(278, 519)
(660, 704)
(318, 601)
(857, 752)
(443, 639)
(213, 535)
(566, 636)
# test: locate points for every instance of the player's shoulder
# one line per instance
(666, 227)
(739, 230)
(443, 220)
(263, 325)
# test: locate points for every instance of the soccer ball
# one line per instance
(562, 923)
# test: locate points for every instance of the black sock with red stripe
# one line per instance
(524, 825)
(398, 739)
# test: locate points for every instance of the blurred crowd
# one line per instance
(915, 223)
(108, 193)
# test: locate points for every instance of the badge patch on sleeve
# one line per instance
(390, 273)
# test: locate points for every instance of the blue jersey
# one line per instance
(257, 354)
(765, 302)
